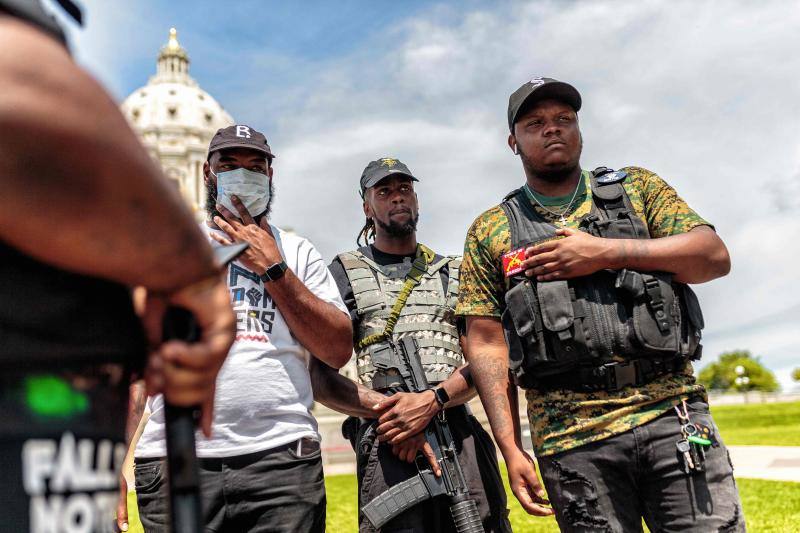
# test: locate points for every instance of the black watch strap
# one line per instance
(441, 396)
(275, 272)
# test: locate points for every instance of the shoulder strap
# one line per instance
(360, 273)
(610, 198)
(524, 223)
(453, 273)
(418, 268)
(433, 268)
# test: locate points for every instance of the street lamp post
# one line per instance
(741, 380)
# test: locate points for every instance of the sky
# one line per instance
(703, 93)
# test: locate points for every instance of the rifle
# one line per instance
(186, 513)
(402, 359)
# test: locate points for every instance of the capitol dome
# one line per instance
(175, 120)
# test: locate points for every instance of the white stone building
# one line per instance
(175, 120)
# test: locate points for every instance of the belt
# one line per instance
(611, 377)
(302, 446)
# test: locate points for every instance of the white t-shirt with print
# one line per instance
(263, 396)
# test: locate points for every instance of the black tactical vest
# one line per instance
(599, 332)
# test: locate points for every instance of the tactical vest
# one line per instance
(428, 315)
(604, 331)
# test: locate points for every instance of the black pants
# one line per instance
(272, 491)
(379, 469)
(62, 444)
(612, 484)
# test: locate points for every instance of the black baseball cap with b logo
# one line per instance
(240, 136)
(381, 168)
(538, 89)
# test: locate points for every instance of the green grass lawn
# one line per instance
(765, 424)
(769, 506)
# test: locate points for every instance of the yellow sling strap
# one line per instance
(423, 258)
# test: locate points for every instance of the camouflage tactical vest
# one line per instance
(603, 331)
(428, 315)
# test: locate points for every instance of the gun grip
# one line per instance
(179, 324)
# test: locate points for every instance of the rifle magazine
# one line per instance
(395, 501)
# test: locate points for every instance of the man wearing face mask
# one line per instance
(388, 437)
(261, 469)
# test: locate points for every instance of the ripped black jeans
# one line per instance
(610, 485)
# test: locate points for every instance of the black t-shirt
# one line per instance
(383, 259)
(50, 315)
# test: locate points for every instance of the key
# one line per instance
(684, 449)
(698, 457)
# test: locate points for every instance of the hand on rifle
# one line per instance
(404, 414)
(408, 449)
(525, 484)
(184, 372)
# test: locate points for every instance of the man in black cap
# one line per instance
(388, 437)
(579, 282)
(261, 468)
(88, 215)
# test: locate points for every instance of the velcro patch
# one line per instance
(512, 262)
(612, 177)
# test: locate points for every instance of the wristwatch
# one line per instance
(274, 272)
(441, 396)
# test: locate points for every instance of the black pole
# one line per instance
(186, 510)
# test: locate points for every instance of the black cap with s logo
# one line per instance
(540, 89)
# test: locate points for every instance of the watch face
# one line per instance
(441, 396)
(276, 271)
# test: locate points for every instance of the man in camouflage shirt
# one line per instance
(608, 457)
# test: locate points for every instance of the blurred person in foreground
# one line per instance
(88, 216)
(578, 282)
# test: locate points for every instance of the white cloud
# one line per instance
(704, 93)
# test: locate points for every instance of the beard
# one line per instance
(397, 229)
(211, 203)
(551, 174)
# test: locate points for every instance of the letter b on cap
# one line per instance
(243, 131)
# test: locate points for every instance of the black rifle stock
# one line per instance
(186, 512)
(402, 358)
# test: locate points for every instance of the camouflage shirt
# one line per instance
(561, 420)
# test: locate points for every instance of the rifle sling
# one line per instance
(423, 258)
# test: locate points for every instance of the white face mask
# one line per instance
(252, 188)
